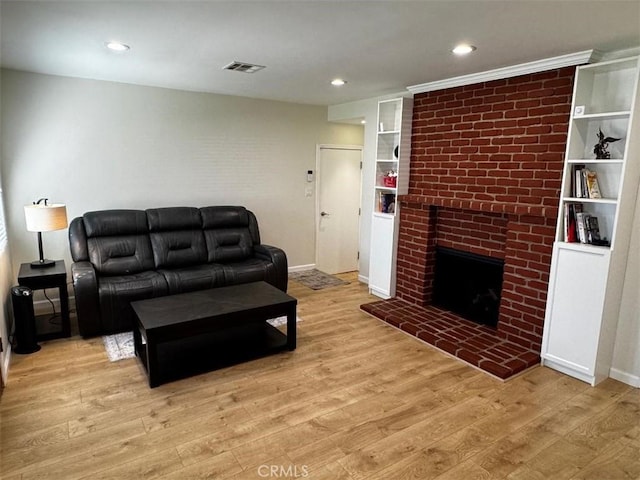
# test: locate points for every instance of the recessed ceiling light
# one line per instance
(363, 122)
(117, 46)
(463, 49)
(338, 82)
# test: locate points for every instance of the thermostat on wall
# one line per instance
(309, 175)
(578, 110)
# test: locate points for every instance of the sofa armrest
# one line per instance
(85, 286)
(275, 255)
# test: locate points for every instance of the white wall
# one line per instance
(626, 354)
(97, 145)
(6, 282)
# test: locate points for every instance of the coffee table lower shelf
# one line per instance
(185, 357)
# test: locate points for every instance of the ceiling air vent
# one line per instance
(243, 67)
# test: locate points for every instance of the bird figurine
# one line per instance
(601, 149)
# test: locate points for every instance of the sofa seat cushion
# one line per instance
(198, 277)
(117, 292)
(250, 270)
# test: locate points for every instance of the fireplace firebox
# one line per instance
(468, 284)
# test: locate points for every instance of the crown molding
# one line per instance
(578, 58)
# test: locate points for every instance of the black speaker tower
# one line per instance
(25, 320)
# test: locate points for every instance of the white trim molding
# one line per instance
(578, 58)
(302, 268)
(625, 377)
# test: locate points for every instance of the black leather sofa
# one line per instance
(125, 255)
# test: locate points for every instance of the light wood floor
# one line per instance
(357, 400)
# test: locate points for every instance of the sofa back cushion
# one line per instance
(230, 233)
(176, 237)
(117, 241)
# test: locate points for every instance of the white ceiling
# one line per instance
(379, 47)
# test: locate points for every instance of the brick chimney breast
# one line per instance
(485, 175)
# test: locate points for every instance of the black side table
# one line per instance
(51, 277)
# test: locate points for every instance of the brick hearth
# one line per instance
(485, 174)
(476, 344)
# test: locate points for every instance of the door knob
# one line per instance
(324, 214)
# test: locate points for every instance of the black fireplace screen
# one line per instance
(468, 284)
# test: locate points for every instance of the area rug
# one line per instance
(316, 280)
(120, 345)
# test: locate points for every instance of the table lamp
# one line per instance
(42, 217)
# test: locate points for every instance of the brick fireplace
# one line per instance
(485, 174)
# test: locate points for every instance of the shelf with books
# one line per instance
(597, 143)
(587, 223)
(593, 181)
(385, 201)
(392, 153)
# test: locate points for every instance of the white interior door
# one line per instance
(339, 179)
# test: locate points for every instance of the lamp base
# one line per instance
(45, 263)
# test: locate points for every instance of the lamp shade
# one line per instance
(46, 218)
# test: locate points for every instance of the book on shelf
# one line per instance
(584, 183)
(581, 226)
(581, 222)
(577, 181)
(591, 178)
(387, 203)
(570, 229)
(593, 230)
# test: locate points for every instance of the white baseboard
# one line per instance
(625, 377)
(363, 279)
(302, 268)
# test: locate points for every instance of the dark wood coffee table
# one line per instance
(189, 333)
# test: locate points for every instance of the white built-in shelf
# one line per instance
(592, 160)
(585, 282)
(578, 247)
(612, 201)
(393, 146)
(601, 116)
